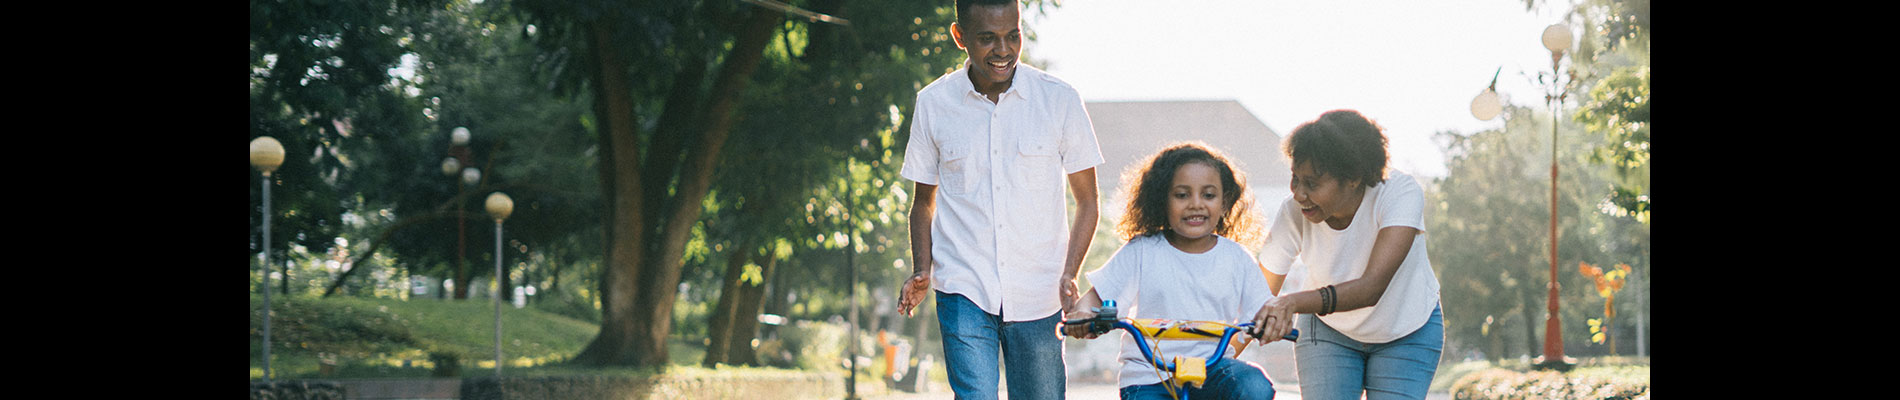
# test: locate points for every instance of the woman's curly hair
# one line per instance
(1341, 143)
(1146, 186)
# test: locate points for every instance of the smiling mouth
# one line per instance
(1000, 66)
(1197, 220)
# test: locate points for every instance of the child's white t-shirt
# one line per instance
(1334, 256)
(1148, 278)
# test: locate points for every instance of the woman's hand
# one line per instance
(1273, 320)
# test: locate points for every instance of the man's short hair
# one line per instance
(964, 5)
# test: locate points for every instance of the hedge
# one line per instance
(1629, 384)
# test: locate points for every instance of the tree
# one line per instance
(666, 81)
(472, 67)
(317, 69)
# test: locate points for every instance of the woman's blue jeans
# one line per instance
(1333, 366)
(1226, 379)
(1031, 352)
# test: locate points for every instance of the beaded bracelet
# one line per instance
(1326, 300)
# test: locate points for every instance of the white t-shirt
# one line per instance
(1000, 233)
(1148, 278)
(1334, 256)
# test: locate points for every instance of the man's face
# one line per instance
(993, 37)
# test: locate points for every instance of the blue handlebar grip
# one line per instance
(1292, 335)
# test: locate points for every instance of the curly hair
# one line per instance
(1146, 186)
(1341, 143)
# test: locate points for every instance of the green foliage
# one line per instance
(812, 345)
(1618, 110)
(320, 84)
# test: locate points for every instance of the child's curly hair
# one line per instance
(1146, 185)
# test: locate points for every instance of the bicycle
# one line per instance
(1181, 370)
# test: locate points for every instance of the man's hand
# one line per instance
(914, 290)
(1067, 290)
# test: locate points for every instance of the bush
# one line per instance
(568, 305)
(1589, 383)
(816, 346)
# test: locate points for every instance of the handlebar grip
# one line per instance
(1292, 335)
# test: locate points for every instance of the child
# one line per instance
(1370, 323)
(1187, 206)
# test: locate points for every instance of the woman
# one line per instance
(1372, 324)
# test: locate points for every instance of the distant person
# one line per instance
(991, 146)
(1187, 206)
(1373, 324)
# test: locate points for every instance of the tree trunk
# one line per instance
(719, 330)
(660, 279)
(1529, 308)
(638, 289)
(620, 189)
(745, 326)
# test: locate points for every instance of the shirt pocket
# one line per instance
(1039, 164)
(956, 168)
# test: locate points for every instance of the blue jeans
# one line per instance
(1031, 352)
(1333, 366)
(1226, 379)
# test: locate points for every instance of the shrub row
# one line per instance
(1508, 384)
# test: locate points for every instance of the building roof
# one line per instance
(1131, 131)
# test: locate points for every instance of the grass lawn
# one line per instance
(389, 338)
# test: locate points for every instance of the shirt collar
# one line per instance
(1022, 86)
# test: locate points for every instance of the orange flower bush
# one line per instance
(1607, 283)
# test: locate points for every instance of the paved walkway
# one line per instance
(1103, 391)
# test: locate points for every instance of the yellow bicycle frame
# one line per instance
(1167, 329)
(1188, 370)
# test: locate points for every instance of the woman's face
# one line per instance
(1195, 205)
(1325, 198)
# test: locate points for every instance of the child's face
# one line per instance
(1324, 197)
(1195, 203)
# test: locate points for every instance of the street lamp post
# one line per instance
(1556, 38)
(850, 257)
(457, 164)
(266, 155)
(499, 206)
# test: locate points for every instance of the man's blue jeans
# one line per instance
(1031, 352)
(1226, 379)
(1333, 366)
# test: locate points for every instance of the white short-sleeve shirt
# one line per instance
(1334, 256)
(1148, 278)
(1000, 233)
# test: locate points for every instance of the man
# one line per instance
(995, 141)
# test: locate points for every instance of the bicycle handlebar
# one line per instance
(1105, 320)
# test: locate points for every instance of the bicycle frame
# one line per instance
(1182, 370)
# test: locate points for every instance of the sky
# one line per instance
(1412, 66)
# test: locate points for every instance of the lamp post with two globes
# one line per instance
(453, 166)
(1556, 38)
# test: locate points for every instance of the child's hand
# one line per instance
(1080, 331)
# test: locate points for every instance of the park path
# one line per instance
(1104, 391)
